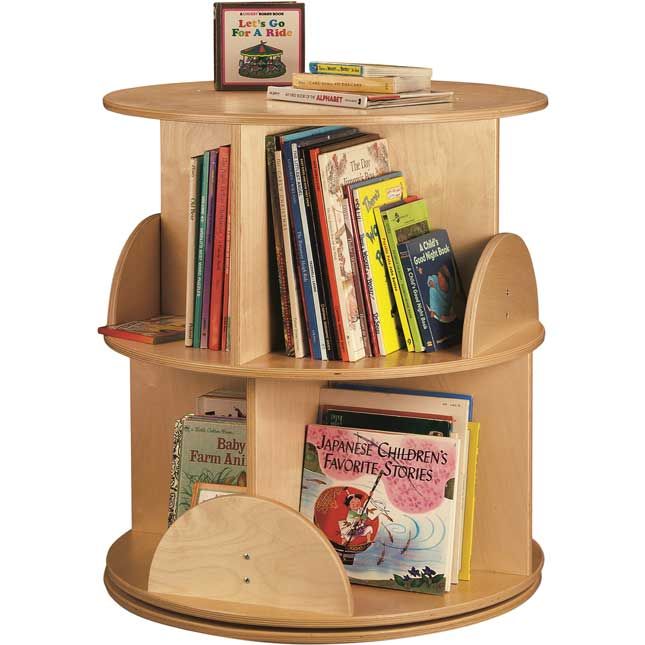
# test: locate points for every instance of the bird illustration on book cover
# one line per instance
(384, 501)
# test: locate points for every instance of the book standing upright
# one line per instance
(268, 573)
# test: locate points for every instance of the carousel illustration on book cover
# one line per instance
(385, 502)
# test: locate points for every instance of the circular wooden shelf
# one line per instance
(378, 613)
(199, 102)
(400, 364)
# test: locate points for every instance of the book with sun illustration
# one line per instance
(208, 460)
(385, 501)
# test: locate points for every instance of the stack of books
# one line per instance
(389, 478)
(360, 271)
(357, 85)
(208, 254)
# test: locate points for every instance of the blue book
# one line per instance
(301, 237)
(201, 253)
(433, 282)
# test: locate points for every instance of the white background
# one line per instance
(76, 179)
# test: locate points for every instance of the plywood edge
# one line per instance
(502, 303)
(136, 284)
(251, 551)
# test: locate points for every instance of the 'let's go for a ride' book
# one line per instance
(385, 502)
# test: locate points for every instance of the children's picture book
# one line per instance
(222, 403)
(385, 502)
(257, 44)
(433, 283)
(159, 329)
(206, 450)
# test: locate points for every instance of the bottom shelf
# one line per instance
(378, 613)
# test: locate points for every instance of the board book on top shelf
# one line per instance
(159, 329)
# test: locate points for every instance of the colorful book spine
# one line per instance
(394, 283)
(208, 249)
(219, 249)
(297, 316)
(348, 69)
(317, 97)
(201, 246)
(281, 264)
(469, 507)
(345, 83)
(225, 340)
(193, 216)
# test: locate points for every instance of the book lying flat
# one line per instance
(160, 329)
(352, 100)
(360, 84)
(367, 69)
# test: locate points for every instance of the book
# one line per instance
(396, 223)
(355, 100)
(368, 195)
(367, 70)
(159, 329)
(385, 502)
(361, 84)
(219, 249)
(208, 249)
(469, 507)
(194, 195)
(257, 43)
(222, 403)
(225, 341)
(206, 450)
(200, 252)
(337, 167)
(432, 280)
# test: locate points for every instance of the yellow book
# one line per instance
(373, 85)
(469, 509)
(366, 198)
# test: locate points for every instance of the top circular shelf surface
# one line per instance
(199, 102)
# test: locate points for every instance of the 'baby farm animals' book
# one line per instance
(385, 501)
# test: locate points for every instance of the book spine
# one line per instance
(127, 335)
(193, 211)
(414, 292)
(175, 467)
(219, 249)
(274, 202)
(329, 260)
(335, 68)
(201, 244)
(317, 97)
(394, 283)
(344, 83)
(225, 339)
(295, 302)
(208, 250)
(364, 317)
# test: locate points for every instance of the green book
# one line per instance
(208, 457)
(201, 252)
(402, 222)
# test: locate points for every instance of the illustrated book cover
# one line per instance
(257, 44)
(206, 450)
(433, 284)
(159, 329)
(385, 502)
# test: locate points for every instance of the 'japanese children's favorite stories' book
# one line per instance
(258, 44)
(208, 459)
(385, 501)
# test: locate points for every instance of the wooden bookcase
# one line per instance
(251, 567)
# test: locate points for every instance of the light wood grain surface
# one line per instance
(199, 102)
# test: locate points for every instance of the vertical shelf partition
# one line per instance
(221, 568)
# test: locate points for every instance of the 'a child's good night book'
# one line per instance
(385, 502)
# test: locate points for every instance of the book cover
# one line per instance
(397, 223)
(201, 247)
(205, 450)
(208, 248)
(257, 43)
(429, 266)
(469, 507)
(384, 501)
(222, 403)
(367, 196)
(337, 168)
(159, 329)
(194, 194)
(219, 249)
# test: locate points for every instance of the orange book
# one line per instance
(160, 329)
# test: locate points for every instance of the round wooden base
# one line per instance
(379, 613)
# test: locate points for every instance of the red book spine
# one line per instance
(329, 260)
(226, 320)
(219, 249)
(127, 335)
